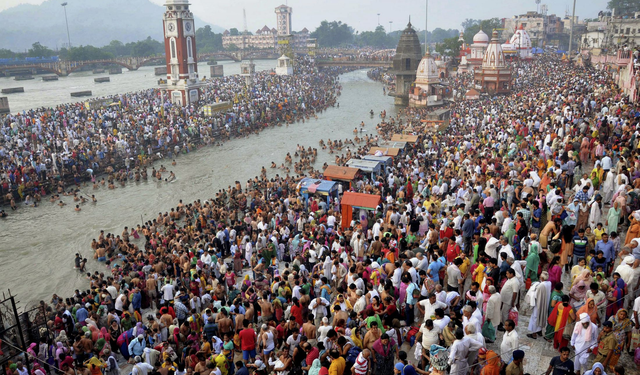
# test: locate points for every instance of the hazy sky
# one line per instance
(362, 14)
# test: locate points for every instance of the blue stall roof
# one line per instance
(365, 165)
(383, 159)
(314, 185)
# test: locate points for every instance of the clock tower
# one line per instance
(183, 84)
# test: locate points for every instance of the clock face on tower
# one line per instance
(171, 27)
(187, 26)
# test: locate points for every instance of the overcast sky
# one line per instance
(362, 14)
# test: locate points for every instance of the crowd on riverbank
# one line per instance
(526, 203)
(45, 150)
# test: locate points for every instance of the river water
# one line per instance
(39, 244)
(48, 94)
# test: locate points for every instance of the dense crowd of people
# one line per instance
(53, 150)
(526, 207)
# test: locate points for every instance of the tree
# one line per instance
(439, 35)
(449, 47)
(485, 25)
(84, 53)
(116, 48)
(624, 7)
(207, 40)
(233, 32)
(377, 38)
(232, 47)
(333, 34)
(467, 23)
(38, 50)
(7, 54)
(142, 49)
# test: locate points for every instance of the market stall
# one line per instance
(356, 201)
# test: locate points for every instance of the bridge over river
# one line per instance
(64, 68)
(356, 63)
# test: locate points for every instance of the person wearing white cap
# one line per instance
(625, 268)
(584, 339)
(136, 347)
(141, 368)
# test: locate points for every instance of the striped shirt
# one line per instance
(360, 366)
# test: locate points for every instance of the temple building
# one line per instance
(476, 52)
(494, 76)
(405, 64)
(521, 43)
(429, 89)
(267, 38)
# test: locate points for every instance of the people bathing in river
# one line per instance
(66, 143)
(459, 242)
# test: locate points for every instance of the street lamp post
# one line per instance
(426, 22)
(573, 17)
(390, 22)
(378, 19)
(64, 5)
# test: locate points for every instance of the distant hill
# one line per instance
(95, 22)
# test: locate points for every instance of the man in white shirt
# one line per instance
(423, 262)
(509, 341)
(509, 294)
(441, 320)
(430, 333)
(636, 311)
(331, 221)
(141, 368)
(397, 274)
(454, 279)
(318, 306)
(506, 248)
(324, 329)
(428, 306)
(167, 292)
(467, 318)
(459, 352)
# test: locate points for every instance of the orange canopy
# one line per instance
(350, 200)
(386, 151)
(360, 200)
(404, 138)
(334, 172)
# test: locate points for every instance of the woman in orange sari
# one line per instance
(585, 150)
(493, 364)
(544, 182)
(590, 308)
(633, 231)
(559, 318)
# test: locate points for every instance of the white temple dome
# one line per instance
(481, 38)
(427, 71)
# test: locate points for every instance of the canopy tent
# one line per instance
(345, 175)
(387, 161)
(334, 172)
(389, 151)
(407, 138)
(367, 166)
(351, 200)
(392, 144)
(309, 186)
(472, 94)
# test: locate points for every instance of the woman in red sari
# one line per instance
(560, 317)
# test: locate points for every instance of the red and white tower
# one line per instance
(183, 82)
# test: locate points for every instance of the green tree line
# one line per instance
(338, 34)
(206, 41)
